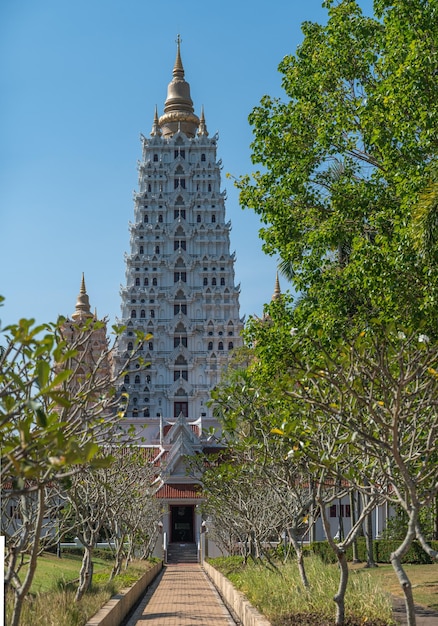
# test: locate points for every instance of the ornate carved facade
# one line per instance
(180, 289)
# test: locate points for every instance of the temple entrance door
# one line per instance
(182, 519)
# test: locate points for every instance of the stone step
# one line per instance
(182, 553)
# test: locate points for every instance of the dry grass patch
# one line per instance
(57, 607)
(280, 596)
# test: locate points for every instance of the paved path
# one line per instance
(181, 596)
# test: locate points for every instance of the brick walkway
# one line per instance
(181, 596)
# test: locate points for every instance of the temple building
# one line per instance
(180, 290)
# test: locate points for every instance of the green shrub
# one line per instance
(382, 551)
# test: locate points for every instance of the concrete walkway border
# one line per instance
(235, 600)
(116, 609)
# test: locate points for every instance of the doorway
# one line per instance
(182, 517)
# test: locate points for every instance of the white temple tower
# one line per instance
(179, 288)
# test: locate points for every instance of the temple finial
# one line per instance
(178, 109)
(83, 303)
(178, 69)
(156, 130)
(202, 130)
(277, 291)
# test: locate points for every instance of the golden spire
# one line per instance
(83, 302)
(156, 130)
(178, 69)
(277, 291)
(178, 108)
(202, 130)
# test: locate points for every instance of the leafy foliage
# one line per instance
(346, 158)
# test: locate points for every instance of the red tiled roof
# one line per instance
(179, 491)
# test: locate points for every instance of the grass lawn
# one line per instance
(51, 601)
(279, 593)
(424, 579)
(281, 597)
(50, 570)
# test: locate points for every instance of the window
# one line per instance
(137, 380)
(154, 282)
(213, 281)
(133, 314)
(180, 152)
(213, 219)
(160, 219)
(209, 187)
(210, 345)
(205, 281)
(135, 412)
(177, 374)
(152, 313)
(179, 182)
(179, 341)
(137, 282)
(146, 282)
(127, 379)
(150, 346)
(141, 250)
(345, 510)
(130, 345)
(157, 249)
(146, 413)
(198, 218)
(222, 281)
(146, 219)
(155, 158)
(142, 313)
(220, 346)
(149, 187)
(180, 308)
(202, 157)
(333, 510)
(180, 407)
(230, 345)
(182, 276)
(179, 213)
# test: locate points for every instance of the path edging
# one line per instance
(116, 609)
(235, 600)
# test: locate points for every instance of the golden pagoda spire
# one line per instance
(178, 69)
(202, 130)
(277, 291)
(83, 302)
(178, 108)
(156, 130)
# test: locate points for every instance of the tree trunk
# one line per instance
(86, 573)
(340, 595)
(435, 527)
(369, 537)
(396, 558)
(22, 590)
(300, 558)
(339, 598)
(119, 544)
(353, 522)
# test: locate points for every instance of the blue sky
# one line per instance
(79, 83)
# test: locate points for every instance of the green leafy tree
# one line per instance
(56, 410)
(344, 160)
(380, 393)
